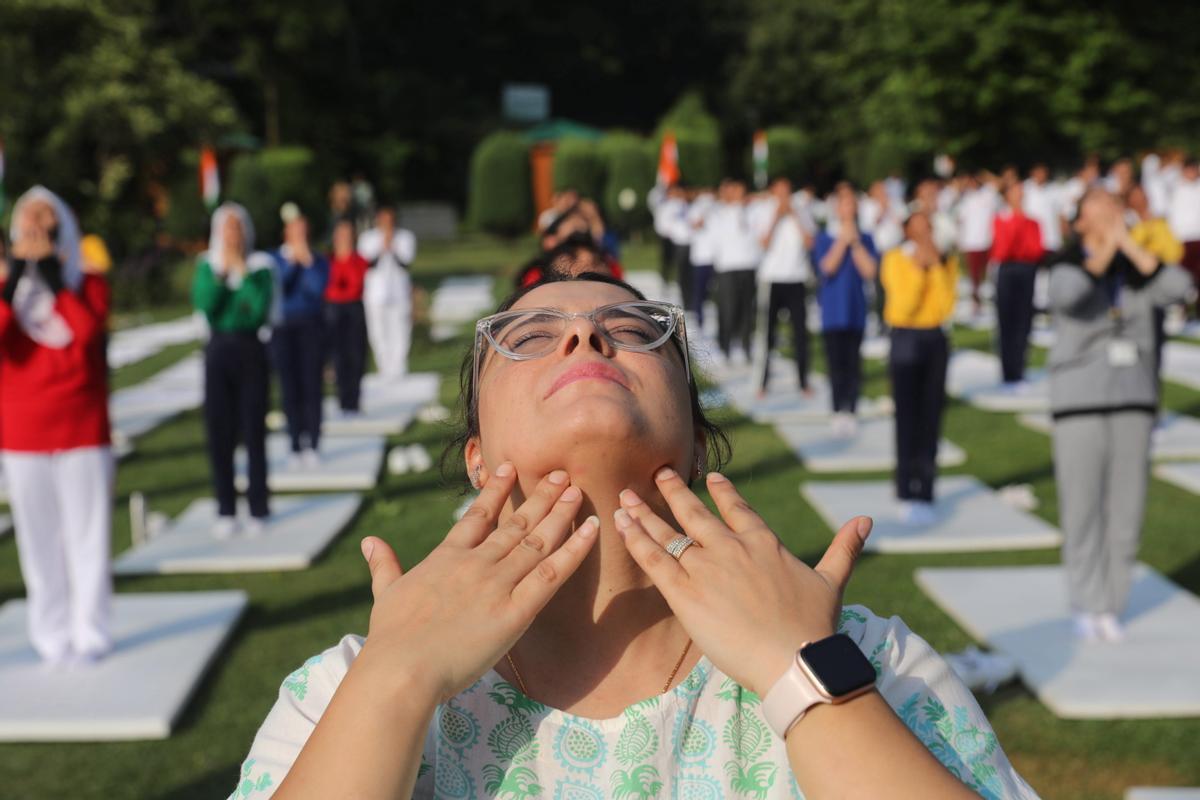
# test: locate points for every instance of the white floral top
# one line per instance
(705, 738)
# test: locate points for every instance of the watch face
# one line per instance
(839, 665)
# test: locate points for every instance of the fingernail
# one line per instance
(629, 497)
(589, 527)
(864, 527)
(367, 546)
(504, 470)
(622, 518)
(664, 474)
(716, 477)
(571, 494)
(558, 477)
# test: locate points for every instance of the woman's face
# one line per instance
(587, 406)
(343, 237)
(232, 234)
(36, 216)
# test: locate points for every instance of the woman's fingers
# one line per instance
(736, 512)
(663, 568)
(382, 561)
(545, 537)
(537, 587)
(480, 519)
(527, 516)
(651, 522)
(689, 510)
(838, 562)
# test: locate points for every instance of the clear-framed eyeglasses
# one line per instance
(636, 325)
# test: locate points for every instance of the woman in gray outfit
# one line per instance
(1104, 396)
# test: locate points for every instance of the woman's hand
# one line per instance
(457, 612)
(747, 602)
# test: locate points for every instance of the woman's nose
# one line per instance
(583, 332)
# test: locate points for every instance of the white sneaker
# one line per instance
(310, 459)
(917, 513)
(1086, 627)
(255, 526)
(225, 527)
(980, 670)
(1110, 628)
(295, 462)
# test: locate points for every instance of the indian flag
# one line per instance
(668, 161)
(760, 159)
(210, 178)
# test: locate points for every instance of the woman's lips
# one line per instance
(588, 370)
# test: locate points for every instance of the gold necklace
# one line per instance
(674, 670)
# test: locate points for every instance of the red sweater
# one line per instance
(56, 399)
(346, 279)
(1016, 237)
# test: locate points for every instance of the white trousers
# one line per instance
(62, 512)
(389, 329)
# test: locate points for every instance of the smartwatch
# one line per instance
(830, 670)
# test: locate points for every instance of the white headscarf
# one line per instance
(216, 235)
(33, 303)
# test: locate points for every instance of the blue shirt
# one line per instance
(301, 289)
(842, 296)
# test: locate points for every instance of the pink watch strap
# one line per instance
(790, 698)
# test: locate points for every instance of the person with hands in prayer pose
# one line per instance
(590, 628)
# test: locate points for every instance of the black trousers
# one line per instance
(236, 384)
(683, 272)
(299, 350)
(1014, 315)
(666, 258)
(735, 309)
(701, 278)
(917, 365)
(346, 344)
(843, 360)
(794, 298)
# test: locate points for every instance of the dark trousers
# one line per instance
(701, 277)
(794, 298)
(666, 258)
(917, 365)
(236, 384)
(346, 344)
(735, 309)
(844, 364)
(1014, 316)
(298, 347)
(683, 273)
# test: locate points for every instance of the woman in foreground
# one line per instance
(565, 641)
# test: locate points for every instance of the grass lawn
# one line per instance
(296, 614)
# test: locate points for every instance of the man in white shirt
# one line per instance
(976, 210)
(680, 232)
(703, 250)
(738, 252)
(1043, 205)
(387, 292)
(783, 276)
(881, 216)
(1183, 216)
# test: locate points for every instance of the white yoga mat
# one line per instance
(348, 463)
(969, 517)
(1185, 475)
(871, 449)
(1176, 436)
(975, 377)
(1181, 363)
(164, 643)
(131, 345)
(298, 531)
(1162, 793)
(386, 407)
(462, 299)
(1023, 613)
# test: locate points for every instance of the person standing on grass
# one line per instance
(54, 430)
(345, 320)
(1104, 288)
(920, 286)
(387, 292)
(1184, 216)
(297, 340)
(233, 288)
(1017, 248)
(1042, 203)
(1153, 234)
(847, 263)
(738, 252)
(703, 251)
(976, 211)
(784, 275)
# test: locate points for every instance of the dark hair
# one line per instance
(717, 446)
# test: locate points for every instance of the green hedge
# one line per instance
(265, 180)
(630, 165)
(699, 158)
(787, 153)
(578, 165)
(499, 198)
(187, 218)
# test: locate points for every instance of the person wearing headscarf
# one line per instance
(233, 287)
(54, 430)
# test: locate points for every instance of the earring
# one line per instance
(699, 466)
(475, 476)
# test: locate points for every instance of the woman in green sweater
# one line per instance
(233, 287)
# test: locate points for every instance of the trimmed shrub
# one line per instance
(787, 152)
(630, 171)
(187, 218)
(697, 137)
(578, 165)
(499, 199)
(265, 180)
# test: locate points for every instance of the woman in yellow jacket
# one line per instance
(919, 285)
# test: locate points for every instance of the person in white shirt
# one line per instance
(1043, 205)
(681, 232)
(976, 209)
(703, 250)
(783, 275)
(738, 252)
(1077, 186)
(1183, 216)
(927, 198)
(881, 216)
(666, 204)
(1120, 177)
(387, 292)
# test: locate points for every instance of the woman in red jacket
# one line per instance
(1016, 247)
(54, 435)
